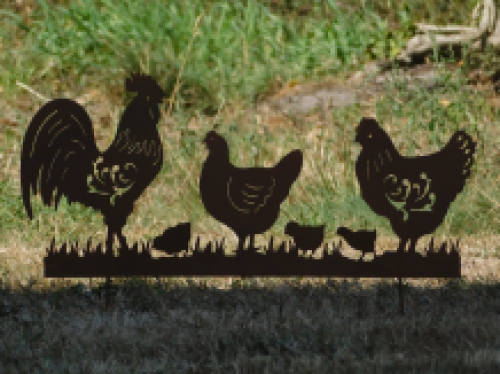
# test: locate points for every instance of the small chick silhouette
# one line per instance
(174, 239)
(307, 238)
(361, 240)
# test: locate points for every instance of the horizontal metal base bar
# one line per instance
(389, 265)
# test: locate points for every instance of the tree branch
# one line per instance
(431, 36)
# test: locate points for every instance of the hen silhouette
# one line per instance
(60, 156)
(247, 200)
(414, 193)
(361, 240)
(307, 238)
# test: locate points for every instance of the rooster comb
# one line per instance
(144, 85)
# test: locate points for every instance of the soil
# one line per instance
(361, 88)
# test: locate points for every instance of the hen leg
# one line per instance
(252, 243)
(402, 245)
(241, 242)
(413, 245)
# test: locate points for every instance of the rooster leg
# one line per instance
(109, 242)
(121, 239)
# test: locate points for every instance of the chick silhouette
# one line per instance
(307, 238)
(174, 239)
(361, 240)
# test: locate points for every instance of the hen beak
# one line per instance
(357, 139)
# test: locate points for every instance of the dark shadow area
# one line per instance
(338, 325)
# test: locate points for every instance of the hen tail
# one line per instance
(460, 152)
(58, 142)
(289, 167)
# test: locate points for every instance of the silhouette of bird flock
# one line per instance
(59, 157)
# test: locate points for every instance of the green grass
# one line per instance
(243, 48)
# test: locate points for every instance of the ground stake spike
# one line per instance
(401, 298)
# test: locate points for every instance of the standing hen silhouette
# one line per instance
(414, 193)
(247, 200)
(60, 156)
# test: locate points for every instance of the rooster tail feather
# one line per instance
(25, 190)
(59, 140)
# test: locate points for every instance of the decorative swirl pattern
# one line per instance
(407, 197)
(112, 180)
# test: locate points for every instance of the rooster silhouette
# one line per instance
(60, 156)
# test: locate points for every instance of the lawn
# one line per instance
(228, 69)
